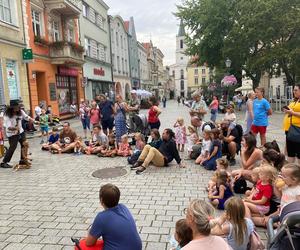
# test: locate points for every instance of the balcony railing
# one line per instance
(68, 8)
(66, 53)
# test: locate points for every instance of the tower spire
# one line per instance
(181, 31)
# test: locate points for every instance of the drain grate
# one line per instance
(108, 173)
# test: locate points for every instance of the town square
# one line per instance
(164, 125)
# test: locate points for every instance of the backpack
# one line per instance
(210, 124)
(240, 186)
(255, 242)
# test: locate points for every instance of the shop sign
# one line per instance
(99, 72)
(64, 71)
(27, 54)
(11, 70)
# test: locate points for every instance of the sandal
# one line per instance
(140, 170)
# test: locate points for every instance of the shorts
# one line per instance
(259, 129)
(107, 124)
(45, 129)
(293, 149)
(263, 209)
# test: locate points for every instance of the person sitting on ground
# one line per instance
(115, 224)
(259, 202)
(215, 151)
(231, 141)
(200, 126)
(98, 142)
(276, 159)
(272, 145)
(199, 216)
(159, 157)
(205, 150)
(255, 179)
(66, 141)
(54, 137)
(80, 147)
(124, 147)
(111, 150)
(183, 235)
(223, 190)
(139, 146)
(251, 157)
(192, 140)
(222, 164)
(234, 225)
(155, 138)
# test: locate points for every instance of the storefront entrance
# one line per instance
(66, 93)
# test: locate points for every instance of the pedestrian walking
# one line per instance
(261, 110)
(84, 111)
(107, 114)
(178, 100)
(214, 106)
(249, 112)
(14, 131)
(134, 108)
(292, 127)
(164, 101)
(153, 113)
(120, 117)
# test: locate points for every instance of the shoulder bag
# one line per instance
(293, 134)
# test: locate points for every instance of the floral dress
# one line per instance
(180, 135)
(120, 121)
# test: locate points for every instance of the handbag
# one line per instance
(255, 242)
(293, 134)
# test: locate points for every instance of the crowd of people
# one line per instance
(268, 178)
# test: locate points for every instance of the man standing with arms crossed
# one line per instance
(261, 110)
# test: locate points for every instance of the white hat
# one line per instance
(133, 91)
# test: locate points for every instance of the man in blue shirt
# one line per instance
(107, 114)
(115, 224)
(261, 110)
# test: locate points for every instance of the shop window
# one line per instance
(66, 92)
(12, 79)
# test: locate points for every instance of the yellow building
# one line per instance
(197, 77)
(13, 75)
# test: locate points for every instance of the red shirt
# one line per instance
(95, 116)
(263, 190)
(152, 115)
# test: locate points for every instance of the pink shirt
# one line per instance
(214, 104)
(210, 242)
(95, 116)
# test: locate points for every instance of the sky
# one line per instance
(153, 19)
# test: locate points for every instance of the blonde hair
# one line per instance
(270, 171)
(123, 137)
(202, 213)
(180, 119)
(235, 210)
(223, 162)
(295, 170)
(192, 128)
(140, 135)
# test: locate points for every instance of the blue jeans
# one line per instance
(85, 123)
(213, 115)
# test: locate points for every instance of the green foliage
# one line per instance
(257, 35)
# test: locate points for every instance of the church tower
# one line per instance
(181, 64)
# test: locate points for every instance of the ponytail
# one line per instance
(275, 158)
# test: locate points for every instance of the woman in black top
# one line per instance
(159, 157)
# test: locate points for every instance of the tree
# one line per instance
(258, 35)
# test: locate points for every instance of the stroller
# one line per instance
(287, 236)
(140, 124)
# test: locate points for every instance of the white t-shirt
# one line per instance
(15, 121)
(206, 145)
(230, 117)
(38, 111)
(210, 242)
(289, 195)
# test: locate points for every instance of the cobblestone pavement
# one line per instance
(57, 198)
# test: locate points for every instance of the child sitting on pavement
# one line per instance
(115, 224)
(124, 147)
(139, 146)
(222, 164)
(155, 138)
(111, 150)
(98, 142)
(54, 137)
(79, 146)
(206, 145)
(183, 235)
(192, 139)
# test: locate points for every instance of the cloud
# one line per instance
(153, 19)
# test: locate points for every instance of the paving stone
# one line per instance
(14, 246)
(16, 238)
(33, 247)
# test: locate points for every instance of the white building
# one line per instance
(143, 66)
(120, 56)
(180, 66)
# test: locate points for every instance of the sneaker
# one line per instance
(232, 162)
(133, 167)
(5, 165)
(140, 170)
